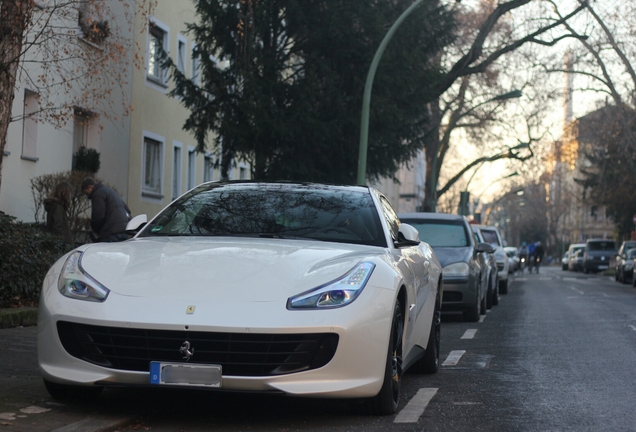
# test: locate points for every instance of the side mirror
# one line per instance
(407, 236)
(485, 247)
(136, 223)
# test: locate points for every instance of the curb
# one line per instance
(18, 317)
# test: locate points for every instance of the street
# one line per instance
(558, 353)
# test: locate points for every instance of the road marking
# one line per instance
(453, 358)
(546, 278)
(467, 403)
(415, 408)
(521, 279)
(482, 318)
(633, 328)
(469, 334)
(576, 290)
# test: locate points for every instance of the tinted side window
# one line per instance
(391, 217)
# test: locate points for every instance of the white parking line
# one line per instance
(469, 334)
(413, 410)
(521, 279)
(633, 328)
(482, 318)
(453, 358)
(576, 290)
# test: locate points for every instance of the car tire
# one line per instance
(489, 295)
(387, 400)
(616, 274)
(624, 279)
(503, 286)
(634, 281)
(482, 304)
(429, 364)
(72, 392)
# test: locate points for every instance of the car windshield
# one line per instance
(336, 214)
(490, 237)
(601, 246)
(441, 233)
(631, 253)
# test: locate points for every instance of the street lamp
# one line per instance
(464, 197)
(366, 100)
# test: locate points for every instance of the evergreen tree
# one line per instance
(282, 82)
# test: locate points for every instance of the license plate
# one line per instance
(603, 267)
(185, 374)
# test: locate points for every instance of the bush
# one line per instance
(86, 160)
(26, 254)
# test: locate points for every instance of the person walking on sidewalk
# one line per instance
(109, 215)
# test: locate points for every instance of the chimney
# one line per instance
(567, 89)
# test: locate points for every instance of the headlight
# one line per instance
(77, 284)
(457, 269)
(335, 294)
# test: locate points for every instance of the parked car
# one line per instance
(625, 271)
(301, 289)
(488, 260)
(572, 264)
(620, 255)
(597, 255)
(564, 261)
(465, 281)
(514, 261)
(491, 235)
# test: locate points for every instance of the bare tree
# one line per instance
(494, 36)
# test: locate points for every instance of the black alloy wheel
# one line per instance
(387, 400)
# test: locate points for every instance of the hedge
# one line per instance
(26, 254)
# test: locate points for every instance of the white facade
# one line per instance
(36, 147)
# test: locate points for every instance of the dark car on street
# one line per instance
(625, 270)
(465, 281)
(597, 255)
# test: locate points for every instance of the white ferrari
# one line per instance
(303, 289)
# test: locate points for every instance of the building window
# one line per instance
(176, 171)
(30, 125)
(192, 163)
(208, 168)
(196, 67)
(181, 55)
(152, 168)
(158, 39)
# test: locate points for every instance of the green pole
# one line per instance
(366, 100)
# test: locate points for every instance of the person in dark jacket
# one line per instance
(56, 207)
(109, 215)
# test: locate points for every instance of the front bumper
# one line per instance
(459, 294)
(356, 369)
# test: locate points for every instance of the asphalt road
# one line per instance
(557, 354)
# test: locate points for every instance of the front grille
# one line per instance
(500, 266)
(239, 354)
(452, 296)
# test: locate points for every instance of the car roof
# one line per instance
(431, 216)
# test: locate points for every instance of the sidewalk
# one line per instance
(18, 317)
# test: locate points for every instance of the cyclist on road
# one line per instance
(538, 255)
(523, 256)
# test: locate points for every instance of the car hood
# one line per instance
(225, 269)
(450, 255)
